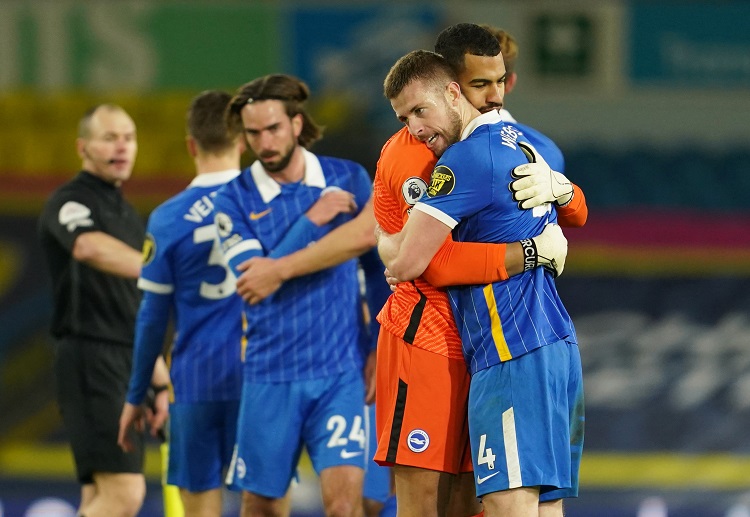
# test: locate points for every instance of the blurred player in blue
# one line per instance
(378, 493)
(303, 373)
(184, 274)
(526, 396)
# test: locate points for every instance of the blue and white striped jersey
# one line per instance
(184, 273)
(309, 328)
(469, 193)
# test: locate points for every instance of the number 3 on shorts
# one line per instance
(485, 454)
(337, 424)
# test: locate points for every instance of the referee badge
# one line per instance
(418, 440)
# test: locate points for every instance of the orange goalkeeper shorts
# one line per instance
(421, 416)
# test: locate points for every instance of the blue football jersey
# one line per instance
(309, 328)
(541, 142)
(469, 192)
(184, 273)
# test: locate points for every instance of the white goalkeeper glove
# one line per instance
(537, 184)
(548, 249)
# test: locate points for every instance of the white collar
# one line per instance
(505, 116)
(491, 117)
(269, 188)
(210, 179)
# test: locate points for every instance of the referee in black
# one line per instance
(91, 237)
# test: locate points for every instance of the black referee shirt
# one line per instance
(87, 302)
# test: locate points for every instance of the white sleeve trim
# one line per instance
(241, 247)
(154, 287)
(437, 214)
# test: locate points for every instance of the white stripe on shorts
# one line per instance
(511, 449)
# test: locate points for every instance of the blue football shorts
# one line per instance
(526, 420)
(377, 479)
(326, 416)
(201, 441)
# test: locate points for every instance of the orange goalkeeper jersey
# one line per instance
(417, 312)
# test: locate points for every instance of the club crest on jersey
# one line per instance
(413, 189)
(418, 440)
(223, 224)
(149, 249)
(442, 181)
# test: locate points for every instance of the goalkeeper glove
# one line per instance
(548, 249)
(537, 184)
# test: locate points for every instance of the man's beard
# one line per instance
(455, 128)
(453, 134)
(282, 163)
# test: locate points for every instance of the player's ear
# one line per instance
(510, 82)
(192, 146)
(453, 92)
(297, 123)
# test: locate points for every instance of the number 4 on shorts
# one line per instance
(485, 454)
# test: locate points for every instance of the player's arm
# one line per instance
(463, 263)
(312, 225)
(151, 325)
(264, 276)
(408, 253)
(377, 292)
(575, 212)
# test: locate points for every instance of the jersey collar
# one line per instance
(505, 116)
(211, 179)
(491, 117)
(269, 188)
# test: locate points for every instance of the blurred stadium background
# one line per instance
(649, 100)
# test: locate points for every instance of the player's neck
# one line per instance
(294, 171)
(208, 163)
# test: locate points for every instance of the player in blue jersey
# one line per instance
(184, 275)
(526, 397)
(303, 373)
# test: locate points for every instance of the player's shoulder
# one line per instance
(174, 204)
(403, 145)
(544, 145)
(534, 135)
(479, 150)
(234, 187)
(402, 157)
(332, 165)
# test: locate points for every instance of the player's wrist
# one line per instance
(158, 388)
(285, 268)
(562, 189)
(530, 254)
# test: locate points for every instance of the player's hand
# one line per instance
(549, 249)
(536, 183)
(333, 201)
(132, 417)
(157, 413)
(370, 366)
(392, 280)
(260, 278)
